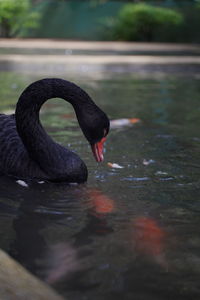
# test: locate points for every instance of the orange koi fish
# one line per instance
(101, 203)
(118, 123)
(150, 239)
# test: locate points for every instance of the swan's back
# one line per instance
(15, 160)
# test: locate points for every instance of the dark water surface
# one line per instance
(128, 233)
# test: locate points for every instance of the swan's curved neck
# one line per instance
(38, 143)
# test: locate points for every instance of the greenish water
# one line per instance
(143, 242)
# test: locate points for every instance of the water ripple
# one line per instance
(135, 178)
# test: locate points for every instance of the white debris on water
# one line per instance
(114, 165)
(148, 162)
(22, 183)
(8, 111)
(161, 173)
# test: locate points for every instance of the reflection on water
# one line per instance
(131, 232)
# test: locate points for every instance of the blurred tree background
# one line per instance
(16, 17)
(134, 20)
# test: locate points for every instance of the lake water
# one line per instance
(128, 233)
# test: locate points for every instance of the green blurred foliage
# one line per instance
(150, 20)
(15, 16)
(143, 22)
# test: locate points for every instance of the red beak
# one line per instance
(97, 150)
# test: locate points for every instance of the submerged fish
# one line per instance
(101, 203)
(150, 239)
(61, 260)
(117, 123)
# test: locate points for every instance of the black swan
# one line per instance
(28, 152)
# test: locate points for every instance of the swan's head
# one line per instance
(98, 136)
(97, 147)
(95, 127)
